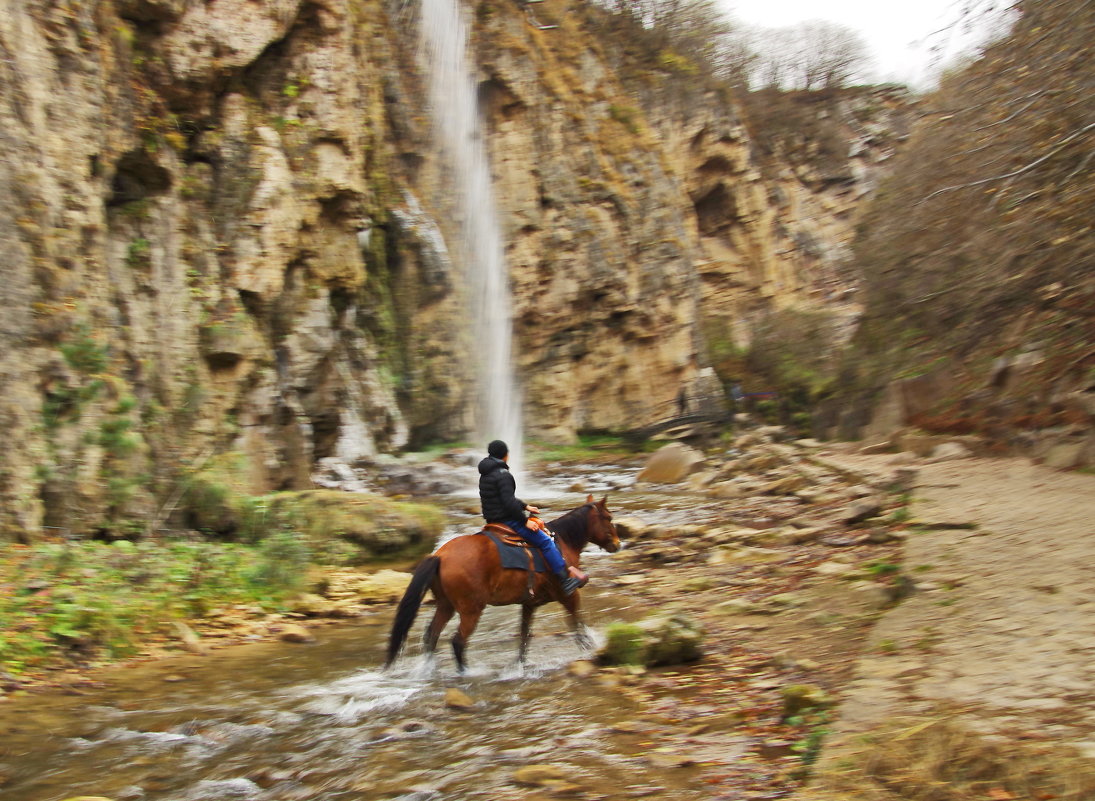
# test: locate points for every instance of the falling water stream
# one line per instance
(325, 722)
(458, 129)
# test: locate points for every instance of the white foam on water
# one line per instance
(353, 697)
(218, 789)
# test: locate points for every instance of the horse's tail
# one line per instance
(407, 611)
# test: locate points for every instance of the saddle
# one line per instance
(514, 552)
(507, 535)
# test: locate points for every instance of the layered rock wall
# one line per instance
(225, 228)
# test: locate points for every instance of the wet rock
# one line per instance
(698, 584)
(799, 697)
(632, 529)
(661, 759)
(406, 730)
(670, 464)
(268, 777)
(458, 699)
(294, 632)
(315, 606)
(658, 640)
(432, 478)
(581, 668)
(539, 775)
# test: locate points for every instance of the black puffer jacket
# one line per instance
(496, 491)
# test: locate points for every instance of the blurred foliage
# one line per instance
(982, 239)
(67, 600)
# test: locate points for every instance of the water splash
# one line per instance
(455, 106)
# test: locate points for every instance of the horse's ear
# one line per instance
(589, 498)
(604, 500)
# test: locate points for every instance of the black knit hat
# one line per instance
(498, 449)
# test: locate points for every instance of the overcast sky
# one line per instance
(898, 32)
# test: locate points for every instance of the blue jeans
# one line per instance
(545, 543)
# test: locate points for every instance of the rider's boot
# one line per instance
(571, 579)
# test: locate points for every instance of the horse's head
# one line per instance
(600, 528)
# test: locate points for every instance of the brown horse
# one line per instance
(466, 575)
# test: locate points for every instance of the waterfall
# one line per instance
(457, 126)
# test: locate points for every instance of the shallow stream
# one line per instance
(324, 721)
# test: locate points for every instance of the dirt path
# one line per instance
(1001, 629)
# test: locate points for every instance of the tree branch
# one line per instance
(1060, 146)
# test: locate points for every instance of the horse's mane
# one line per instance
(573, 526)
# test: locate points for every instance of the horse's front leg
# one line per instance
(527, 610)
(581, 631)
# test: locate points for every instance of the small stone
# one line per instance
(294, 632)
(458, 699)
(860, 511)
(581, 668)
(949, 451)
(737, 606)
(539, 775)
(190, 641)
(797, 697)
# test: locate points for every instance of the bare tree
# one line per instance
(809, 55)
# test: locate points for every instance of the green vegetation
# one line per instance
(84, 600)
(338, 527)
(589, 448)
(138, 252)
(625, 644)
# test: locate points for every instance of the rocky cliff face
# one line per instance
(226, 229)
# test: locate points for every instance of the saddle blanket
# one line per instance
(516, 556)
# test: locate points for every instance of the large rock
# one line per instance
(665, 639)
(671, 464)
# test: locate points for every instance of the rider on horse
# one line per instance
(497, 489)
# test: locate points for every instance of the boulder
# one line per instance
(662, 639)
(670, 464)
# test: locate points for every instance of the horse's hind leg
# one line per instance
(441, 616)
(469, 619)
(526, 631)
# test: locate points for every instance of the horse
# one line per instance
(466, 575)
